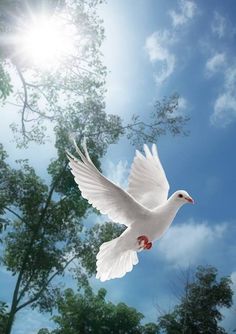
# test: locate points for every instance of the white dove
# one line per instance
(143, 208)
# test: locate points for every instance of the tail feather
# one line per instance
(113, 262)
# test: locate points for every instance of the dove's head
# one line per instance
(183, 197)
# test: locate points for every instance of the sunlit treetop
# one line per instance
(51, 55)
(46, 41)
(51, 60)
(47, 34)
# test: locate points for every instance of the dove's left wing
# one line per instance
(103, 194)
(147, 181)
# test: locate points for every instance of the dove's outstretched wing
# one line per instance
(147, 181)
(104, 195)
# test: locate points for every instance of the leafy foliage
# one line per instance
(72, 93)
(5, 84)
(91, 313)
(76, 84)
(3, 316)
(200, 308)
(165, 118)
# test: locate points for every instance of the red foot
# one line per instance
(148, 245)
(143, 239)
(143, 242)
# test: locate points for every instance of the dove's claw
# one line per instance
(143, 242)
(142, 239)
(148, 245)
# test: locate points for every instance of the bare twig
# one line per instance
(25, 102)
(14, 213)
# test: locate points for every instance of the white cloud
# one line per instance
(187, 10)
(215, 63)
(156, 47)
(158, 44)
(118, 173)
(224, 110)
(225, 104)
(185, 244)
(218, 25)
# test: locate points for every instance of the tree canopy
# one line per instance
(69, 92)
(88, 312)
(200, 309)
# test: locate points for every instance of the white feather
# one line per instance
(147, 181)
(103, 194)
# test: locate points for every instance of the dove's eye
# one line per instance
(180, 196)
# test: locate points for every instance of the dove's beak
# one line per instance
(189, 199)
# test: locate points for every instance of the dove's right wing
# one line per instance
(103, 194)
(147, 182)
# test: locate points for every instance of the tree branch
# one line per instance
(51, 193)
(27, 105)
(22, 292)
(14, 213)
(25, 102)
(129, 126)
(36, 297)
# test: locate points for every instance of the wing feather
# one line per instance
(103, 194)
(147, 182)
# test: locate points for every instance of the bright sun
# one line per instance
(46, 41)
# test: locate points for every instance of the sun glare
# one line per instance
(46, 41)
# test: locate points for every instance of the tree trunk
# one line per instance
(12, 313)
(16, 298)
(10, 320)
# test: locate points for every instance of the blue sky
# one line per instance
(152, 49)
